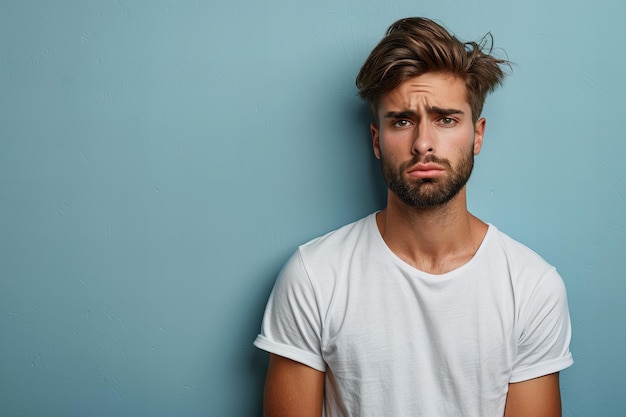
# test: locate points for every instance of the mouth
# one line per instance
(425, 170)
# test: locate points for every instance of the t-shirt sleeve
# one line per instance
(545, 330)
(292, 323)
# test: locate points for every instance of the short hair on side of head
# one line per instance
(417, 45)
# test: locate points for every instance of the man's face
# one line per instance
(426, 140)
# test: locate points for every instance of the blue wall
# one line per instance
(160, 160)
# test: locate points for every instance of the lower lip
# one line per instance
(430, 173)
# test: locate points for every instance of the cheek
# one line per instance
(396, 143)
(389, 153)
(459, 142)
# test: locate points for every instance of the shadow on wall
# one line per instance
(375, 180)
(254, 361)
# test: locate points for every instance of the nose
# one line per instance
(423, 143)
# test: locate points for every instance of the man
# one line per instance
(420, 309)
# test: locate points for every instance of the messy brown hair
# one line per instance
(415, 46)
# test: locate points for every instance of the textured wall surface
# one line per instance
(160, 160)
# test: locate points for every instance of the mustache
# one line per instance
(428, 159)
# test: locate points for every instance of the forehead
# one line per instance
(430, 89)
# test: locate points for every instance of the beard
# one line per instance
(424, 193)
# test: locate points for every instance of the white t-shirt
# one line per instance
(396, 341)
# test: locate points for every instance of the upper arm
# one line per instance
(292, 389)
(538, 397)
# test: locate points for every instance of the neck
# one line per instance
(435, 240)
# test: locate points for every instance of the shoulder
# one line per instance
(519, 257)
(319, 262)
(533, 279)
(537, 285)
(311, 275)
(336, 244)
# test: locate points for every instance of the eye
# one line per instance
(446, 121)
(402, 123)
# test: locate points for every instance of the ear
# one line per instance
(375, 139)
(479, 134)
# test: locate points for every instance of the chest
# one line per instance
(415, 331)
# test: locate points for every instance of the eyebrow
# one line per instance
(444, 112)
(399, 114)
(431, 109)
